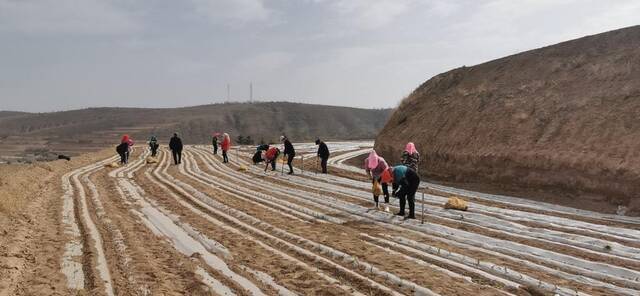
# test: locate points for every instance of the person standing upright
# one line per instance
(323, 153)
(214, 142)
(411, 157)
(289, 152)
(226, 145)
(153, 145)
(175, 144)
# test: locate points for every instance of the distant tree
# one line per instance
(262, 141)
(240, 140)
(248, 140)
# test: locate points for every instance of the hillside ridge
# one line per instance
(561, 119)
(92, 129)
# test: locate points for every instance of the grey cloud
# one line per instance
(68, 54)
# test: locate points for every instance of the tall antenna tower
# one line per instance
(250, 92)
(228, 92)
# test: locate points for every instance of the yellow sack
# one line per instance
(152, 159)
(243, 168)
(112, 165)
(456, 203)
(377, 188)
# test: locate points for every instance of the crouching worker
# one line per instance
(375, 165)
(270, 158)
(122, 150)
(408, 182)
(257, 157)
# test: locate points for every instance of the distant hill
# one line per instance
(562, 119)
(94, 128)
(4, 114)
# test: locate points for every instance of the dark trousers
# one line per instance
(154, 151)
(177, 156)
(407, 192)
(215, 148)
(289, 161)
(225, 159)
(323, 164)
(123, 158)
(385, 191)
(273, 165)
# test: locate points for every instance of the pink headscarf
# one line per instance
(373, 160)
(410, 148)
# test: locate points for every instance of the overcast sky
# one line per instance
(67, 54)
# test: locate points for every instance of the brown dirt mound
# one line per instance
(559, 119)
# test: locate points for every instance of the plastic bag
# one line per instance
(456, 203)
(377, 188)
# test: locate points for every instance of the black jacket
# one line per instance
(288, 148)
(263, 147)
(122, 148)
(175, 144)
(214, 142)
(323, 150)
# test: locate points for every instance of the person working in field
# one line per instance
(214, 142)
(153, 145)
(323, 154)
(226, 145)
(375, 165)
(408, 181)
(175, 144)
(257, 157)
(410, 156)
(270, 158)
(123, 149)
(289, 152)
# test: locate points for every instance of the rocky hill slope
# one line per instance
(560, 121)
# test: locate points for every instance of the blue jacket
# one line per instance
(399, 173)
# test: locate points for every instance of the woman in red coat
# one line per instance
(226, 145)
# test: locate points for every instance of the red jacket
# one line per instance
(226, 144)
(271, 154)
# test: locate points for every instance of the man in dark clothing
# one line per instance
(153, 145)
(257, 157)
(323, 153)
(289, 152)
(408, 181)
(122, 151)
(175, 144)
(215, 145)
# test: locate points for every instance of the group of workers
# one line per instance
(175, 145)
(269, 154)
(404, 178)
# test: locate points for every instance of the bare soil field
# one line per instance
(204, 227)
